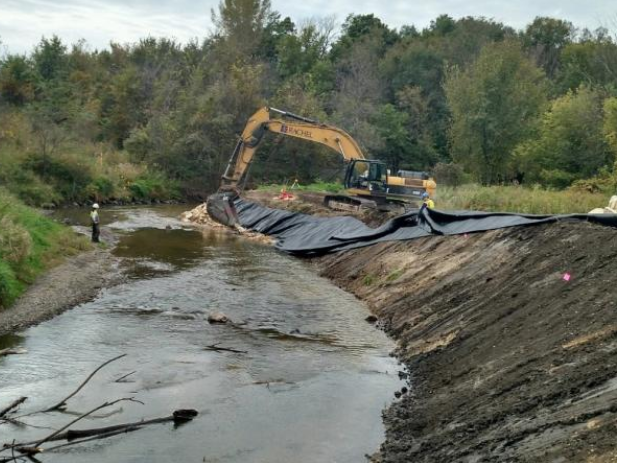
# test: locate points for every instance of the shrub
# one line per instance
(556, 178)
(32, 190)
(153, 185)
(449, 174)
(100, 188)
(9, 286)
(69, 174)
(15, 242)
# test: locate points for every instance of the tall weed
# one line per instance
(517, 199)
(29, 243)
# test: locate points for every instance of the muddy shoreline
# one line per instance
(77, 280)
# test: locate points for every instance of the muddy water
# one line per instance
(310, 388)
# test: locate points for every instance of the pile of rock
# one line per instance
(610, 209)
(200, 216)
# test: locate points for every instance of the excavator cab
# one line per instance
(367, 175)
(366, 186)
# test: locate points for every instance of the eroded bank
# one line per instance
(509, 336)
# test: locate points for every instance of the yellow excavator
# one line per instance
(368, 183)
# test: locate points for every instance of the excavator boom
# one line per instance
(290, 125)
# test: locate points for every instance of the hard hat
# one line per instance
(95, 206)
(424, 195)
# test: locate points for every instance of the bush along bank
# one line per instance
(29, 244)
(47, 166)
(509, 338)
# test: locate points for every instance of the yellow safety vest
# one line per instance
(429, 203)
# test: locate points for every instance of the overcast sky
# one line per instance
(24, 22)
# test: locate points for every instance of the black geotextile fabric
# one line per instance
(307, 235)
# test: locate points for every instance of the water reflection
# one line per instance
(10, 340)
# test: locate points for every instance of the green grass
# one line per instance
(517, 199)
(317, 187)
(395, 275)
(369, 280)
(526, 200)
(29, 244)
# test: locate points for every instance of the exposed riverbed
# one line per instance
(310, 389)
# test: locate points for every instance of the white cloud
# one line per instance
(24, 22)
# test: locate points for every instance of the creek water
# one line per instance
(310, 388)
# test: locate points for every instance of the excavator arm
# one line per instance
(288, 124)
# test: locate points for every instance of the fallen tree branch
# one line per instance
(78, 436)
(95, 437)
(16, 403)
(215, 348)
(98, 416)
(33, 447)
(62, 403)
(121, 378)
(178, 417)
(79, 418)
(12, 351)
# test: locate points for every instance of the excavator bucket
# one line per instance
(220, 207)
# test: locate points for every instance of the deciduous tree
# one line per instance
(494, 104)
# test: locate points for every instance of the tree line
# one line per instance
(468, 99)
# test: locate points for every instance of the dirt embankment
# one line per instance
(508, 361)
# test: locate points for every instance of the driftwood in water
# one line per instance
(16, 403)
(81, 417)
(12, 351)
(122, 378)
(62, 404)
(20, 451)
(215, 348)
(178, 417)
(77, 436)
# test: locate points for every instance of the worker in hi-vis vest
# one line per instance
(94, 218)
(427, 201)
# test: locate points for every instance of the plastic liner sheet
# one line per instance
(307, 235)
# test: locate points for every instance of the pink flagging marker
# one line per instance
(566, 276)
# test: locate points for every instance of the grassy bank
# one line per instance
(29, 244)
(517, 199)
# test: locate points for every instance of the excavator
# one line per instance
(368, 183)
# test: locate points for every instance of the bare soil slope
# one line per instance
(508, 361)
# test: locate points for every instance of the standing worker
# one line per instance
(94, 217)
(427, 201)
